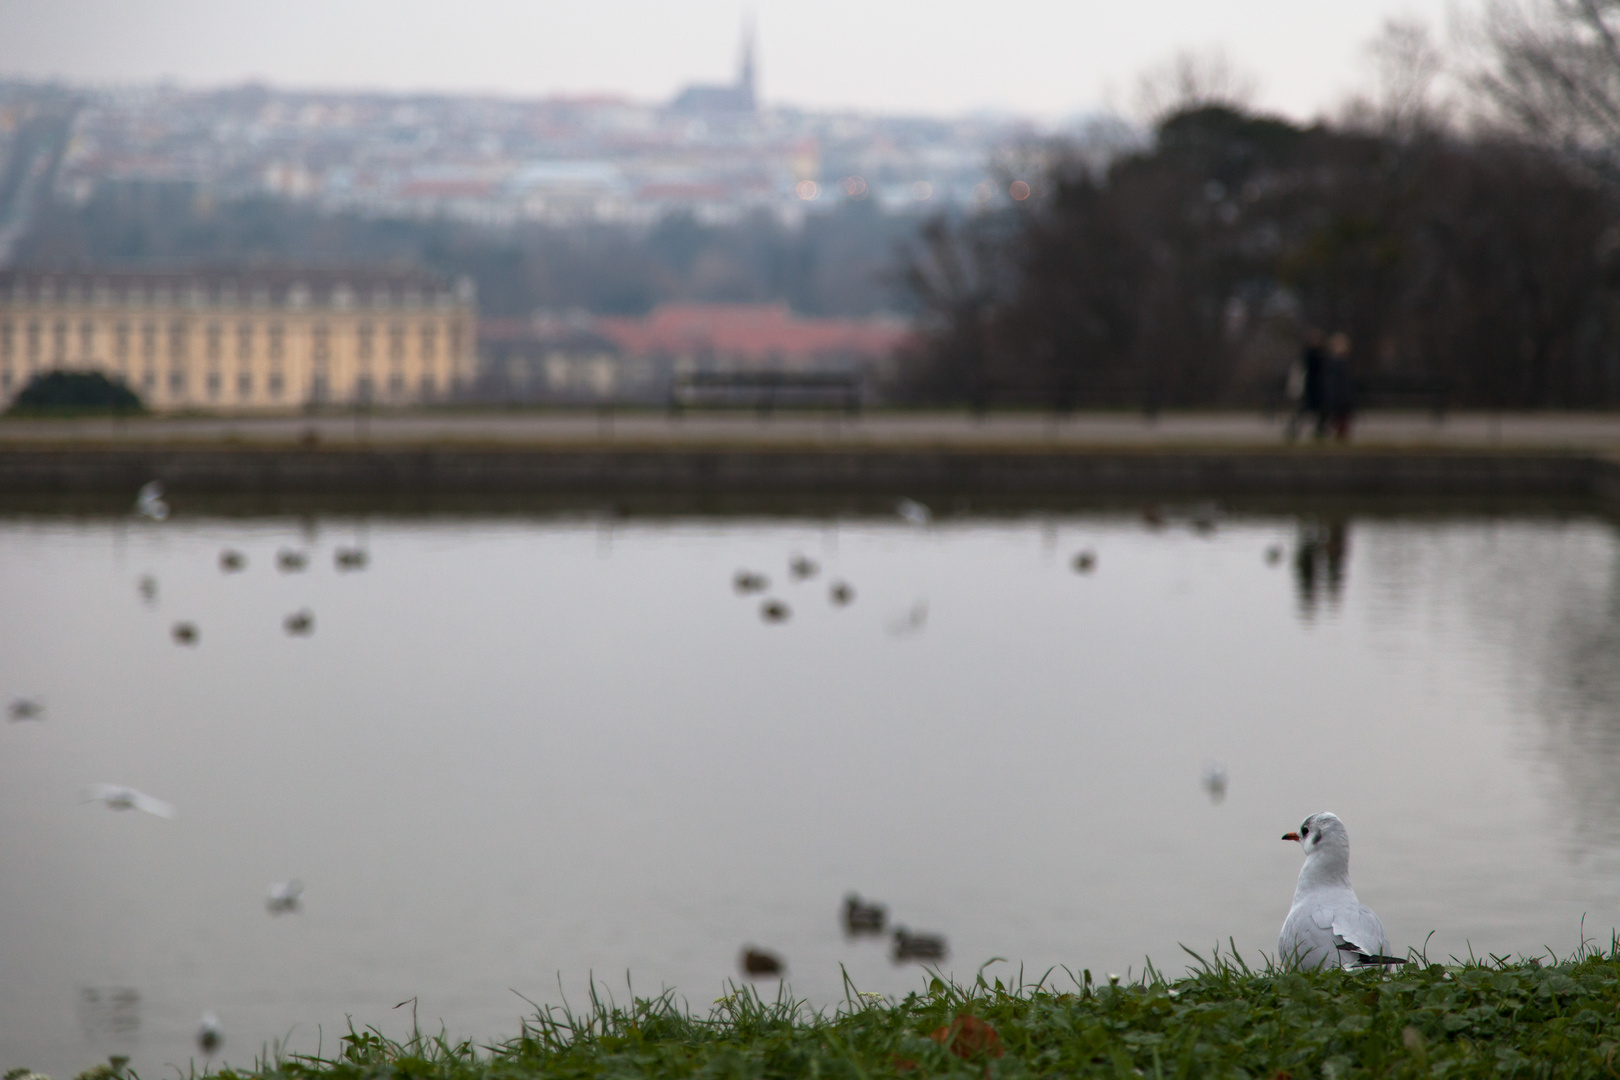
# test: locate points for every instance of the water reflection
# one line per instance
(1320, 553)
(110, 1013)
(1580, 702)
(649, 778)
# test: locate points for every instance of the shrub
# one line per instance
(57, 393)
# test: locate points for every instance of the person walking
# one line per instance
(1338, 394)
(1304, 385)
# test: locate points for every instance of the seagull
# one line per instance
(231, 561)
(184, 633)
(147, 587)
(283, 897)
(1085, 562)
(913, 512)
(1274, 554)
(149, 502)
(802, 566)
(842, 593)
(126, 798)
(352, 558)
(208, 1034)
(300, 622)
(912, 621)
(26, 709)
(774, 611)
(290, 560)
(1215, 781)
(1328, 926)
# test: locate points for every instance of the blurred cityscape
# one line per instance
(712, 151)
(1452, 237)
(708, 231)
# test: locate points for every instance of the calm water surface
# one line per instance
(519, 752)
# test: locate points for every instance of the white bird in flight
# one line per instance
(1328, 926)
(126, 798)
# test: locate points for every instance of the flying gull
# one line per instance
(126, 798)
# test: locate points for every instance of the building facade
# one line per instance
(244, 339)
(580, 358)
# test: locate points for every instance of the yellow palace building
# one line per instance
(246, 338)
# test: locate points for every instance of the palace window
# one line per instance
(177, 381)
(177, 340)
(33, 340)
(244, 341)
(396, 383)
(276, 384)
(60, 352)
(216, 341)
(323, 347)
(428, 385)
(87, 339)
(244, 384)
(396, 342)
(149, 340)
(5, 339)
(121, 341)
(430, 340)
(362, 341)
(149, 380)
(214, 384)
(277, 340)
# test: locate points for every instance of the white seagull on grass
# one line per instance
(127, 798)
(1328, 926)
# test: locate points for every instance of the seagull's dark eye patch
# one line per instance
(1304, 831)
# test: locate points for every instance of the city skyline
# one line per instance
(897, 57)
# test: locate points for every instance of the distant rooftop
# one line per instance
(274, 285)
(749, 332)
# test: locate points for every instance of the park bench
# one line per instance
(766, 390)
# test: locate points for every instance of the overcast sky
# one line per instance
(1047, 58)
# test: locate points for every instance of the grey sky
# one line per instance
(1045, 57)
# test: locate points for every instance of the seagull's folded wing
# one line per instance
(1356, 926)
(1306, 940)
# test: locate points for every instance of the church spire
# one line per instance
(746, 75)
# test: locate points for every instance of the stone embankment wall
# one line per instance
(1260, 471)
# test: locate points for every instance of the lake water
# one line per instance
(519, 750)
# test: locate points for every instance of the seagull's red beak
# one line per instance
(1290, 836)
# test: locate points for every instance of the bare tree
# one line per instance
(1552, 70)
(1193, 80)
(1407, 63)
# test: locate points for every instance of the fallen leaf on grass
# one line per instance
(968, 1036)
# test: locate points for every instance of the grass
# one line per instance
(1493, 1017)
